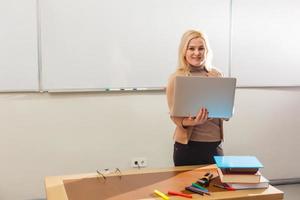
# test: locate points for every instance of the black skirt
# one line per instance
(195, 153)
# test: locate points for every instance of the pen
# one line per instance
(162, 195)
(224, 187)
(180, 194)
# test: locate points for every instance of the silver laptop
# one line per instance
(193, 92)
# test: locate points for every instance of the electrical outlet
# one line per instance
(139, 162)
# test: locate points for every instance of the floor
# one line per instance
(291, 192)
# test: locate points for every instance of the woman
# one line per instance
(197, 139)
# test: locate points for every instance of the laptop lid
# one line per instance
(214, 93)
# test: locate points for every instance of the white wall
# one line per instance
(43, 134)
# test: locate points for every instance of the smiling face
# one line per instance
(196, 52)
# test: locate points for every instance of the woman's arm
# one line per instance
(170, 100)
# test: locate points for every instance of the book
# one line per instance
(239, 170)
(239, 178)
(238, 162)
(264, 183)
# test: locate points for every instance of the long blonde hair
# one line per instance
(183, 65)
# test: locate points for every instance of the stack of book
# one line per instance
(240, 172)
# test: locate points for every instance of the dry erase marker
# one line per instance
(180, 194)
(203, 191)
(195, 190)
(142, 89)
(205, 180)
(162, 195)
(199, 186)
(113, 89)
(128, 89)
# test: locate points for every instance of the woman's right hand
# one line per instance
(201, 118)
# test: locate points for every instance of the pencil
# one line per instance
(224, 187)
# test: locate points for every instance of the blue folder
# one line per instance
(237, 162)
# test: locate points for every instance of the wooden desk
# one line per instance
(140, 184)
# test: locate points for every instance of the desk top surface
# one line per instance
(140, 184)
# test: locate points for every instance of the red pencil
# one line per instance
(224, 187)
(180, 194)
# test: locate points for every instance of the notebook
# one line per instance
(239, 178)
(263, 183)
(193, 92)
(237, 162)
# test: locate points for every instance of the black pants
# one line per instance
(195, 153)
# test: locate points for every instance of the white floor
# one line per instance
(291, 192)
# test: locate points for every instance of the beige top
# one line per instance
(210, 131)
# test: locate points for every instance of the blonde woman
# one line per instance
(197, 139)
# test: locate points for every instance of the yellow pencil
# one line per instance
(162, 195)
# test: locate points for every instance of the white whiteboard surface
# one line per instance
(18, 46)
(266, 42)
(90, 44)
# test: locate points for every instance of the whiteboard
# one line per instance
(96, 44)
(265, 42)
(18, 49)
